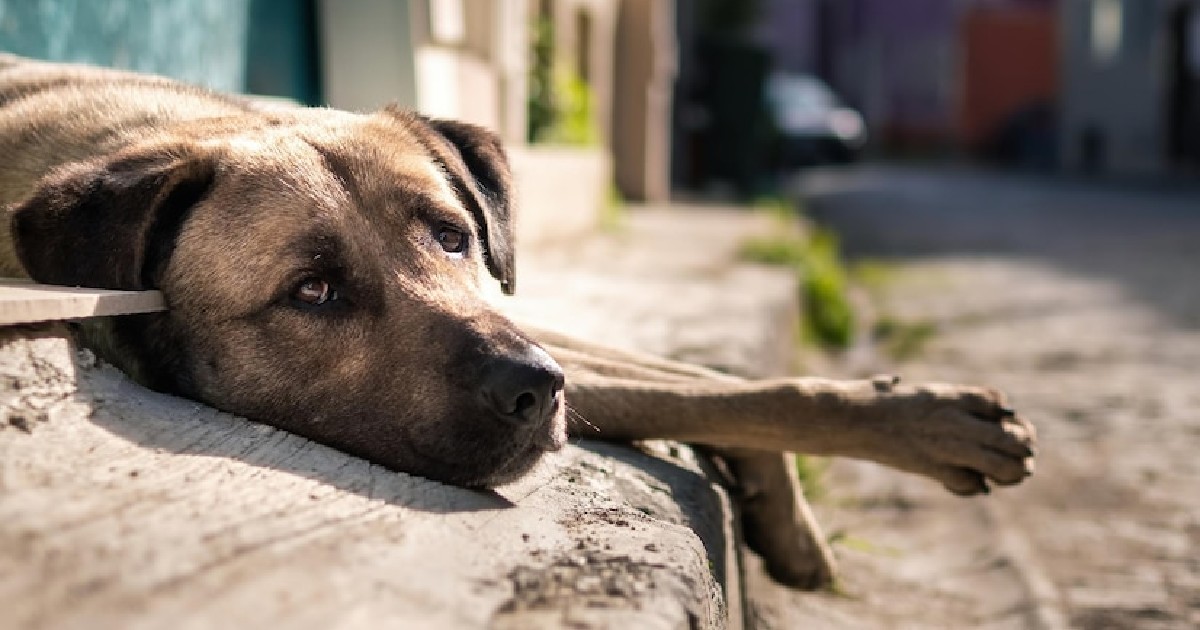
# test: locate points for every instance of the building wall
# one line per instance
(789, 29)
(641, 123)
(897, 63)
(283, 59)
(1113, 102)
(1009, 59)
(462, 59)
(199, 41)
(367, 53)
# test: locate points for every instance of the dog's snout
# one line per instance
(525, 388)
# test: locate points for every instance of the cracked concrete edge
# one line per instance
(123, 507)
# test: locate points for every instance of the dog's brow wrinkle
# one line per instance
(342, 171)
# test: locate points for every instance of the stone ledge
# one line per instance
(561, 192)
(121, 507)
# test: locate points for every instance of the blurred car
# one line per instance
(812, 126)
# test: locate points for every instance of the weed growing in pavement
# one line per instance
(811, 471)
(614, 211)
(780, 208)
(903, 340)
(824, 287)
(858, 543)
(873, 275)
(900, 339)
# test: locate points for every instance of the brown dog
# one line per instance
(323, 272)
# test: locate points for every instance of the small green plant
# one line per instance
(860, 544)
(612, 214)
(560, 107)
(540, 108)
(874, 275)
(782, 251)
(824, 287)
(573, 123)
(903, 340)
(780, 208)
(811, 471)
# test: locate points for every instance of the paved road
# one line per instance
(1083, 302)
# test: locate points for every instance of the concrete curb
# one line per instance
(126, 508)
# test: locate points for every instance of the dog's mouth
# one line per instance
(501, 464)
(547, 439)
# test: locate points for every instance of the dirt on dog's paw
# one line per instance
(965, 437)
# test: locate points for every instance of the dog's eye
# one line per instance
(314, 292)
(452, 239)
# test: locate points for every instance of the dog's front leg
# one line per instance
(777, 521)
(961, 436)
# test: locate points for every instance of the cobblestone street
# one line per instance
(1083, 303)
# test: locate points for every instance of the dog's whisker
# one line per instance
(573, 414)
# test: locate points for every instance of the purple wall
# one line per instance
(896, 60)
(789, 30)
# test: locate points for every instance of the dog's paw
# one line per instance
(777, 522)
(965, 437)
(789, 554)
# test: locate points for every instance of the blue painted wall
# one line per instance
(199, 41)
(282, 55)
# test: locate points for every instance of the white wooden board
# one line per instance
(23, 302)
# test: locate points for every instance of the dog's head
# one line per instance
(323, 273)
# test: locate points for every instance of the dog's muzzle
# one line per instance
(525, 391)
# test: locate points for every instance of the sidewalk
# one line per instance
(667, 282)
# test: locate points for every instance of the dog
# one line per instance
(325, 273)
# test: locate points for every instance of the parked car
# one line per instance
(812, 126)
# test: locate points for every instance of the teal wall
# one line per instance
(199, 41)
(282, 55)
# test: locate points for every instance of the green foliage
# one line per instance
(775, 251)
(540, 108)
(560, 107)
(863, 545)
(573, 123)
(824, 288)
(903, 340)
(782, 208)
(831, 318)
(873, 274)
(613, 213)
(811, 471)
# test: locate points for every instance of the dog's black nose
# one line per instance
(523, 388)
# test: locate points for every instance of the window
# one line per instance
(1107, 29)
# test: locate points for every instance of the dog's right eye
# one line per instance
(452, 239)
(314, 292)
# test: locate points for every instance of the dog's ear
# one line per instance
(475, 160)
(110, 222)
(490, 183)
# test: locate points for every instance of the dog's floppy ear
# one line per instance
(475, 160)
(110, 222)
(491, 184)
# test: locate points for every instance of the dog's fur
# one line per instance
(232, 209)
